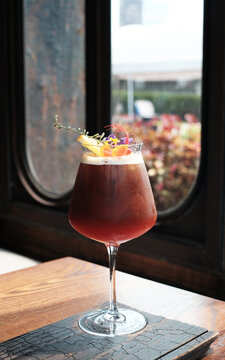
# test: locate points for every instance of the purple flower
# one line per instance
(111, 136)
(122, 141)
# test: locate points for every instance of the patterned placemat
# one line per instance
(162, 339)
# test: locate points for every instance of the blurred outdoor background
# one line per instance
(156, 88)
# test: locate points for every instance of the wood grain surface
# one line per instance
(46, 293)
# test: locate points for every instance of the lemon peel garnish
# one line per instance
(90, 143)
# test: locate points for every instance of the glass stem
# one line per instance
(112, 252)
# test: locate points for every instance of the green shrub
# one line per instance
(164, 102)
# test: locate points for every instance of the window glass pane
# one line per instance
(156, 88)
(54, 84)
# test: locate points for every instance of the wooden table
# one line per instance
(43, 294)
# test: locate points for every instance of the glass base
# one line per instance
(102, 323)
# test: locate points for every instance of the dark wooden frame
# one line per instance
(186, 248)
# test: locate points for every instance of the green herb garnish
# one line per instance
(77, 131)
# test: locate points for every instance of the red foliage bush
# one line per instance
(171, 151)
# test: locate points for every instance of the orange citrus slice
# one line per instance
(121, 150)
(105, 150)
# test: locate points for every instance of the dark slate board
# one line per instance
(162, 339)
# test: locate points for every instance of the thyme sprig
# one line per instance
(97, 136)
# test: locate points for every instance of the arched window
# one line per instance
(54, 69)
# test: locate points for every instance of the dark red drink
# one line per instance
(112, 201)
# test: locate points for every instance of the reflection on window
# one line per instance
(54, 84)
(156, 88)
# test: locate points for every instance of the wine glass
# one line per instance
(112, 202)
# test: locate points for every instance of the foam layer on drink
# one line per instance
(133, 158)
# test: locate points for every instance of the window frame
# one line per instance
(186, 248)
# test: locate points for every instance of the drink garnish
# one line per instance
(97, 137)
(98, 144)
(121, 150)
(119, 128)
(90, 143)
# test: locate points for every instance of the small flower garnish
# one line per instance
(123, 141)
(98, 144)
(119, 128)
